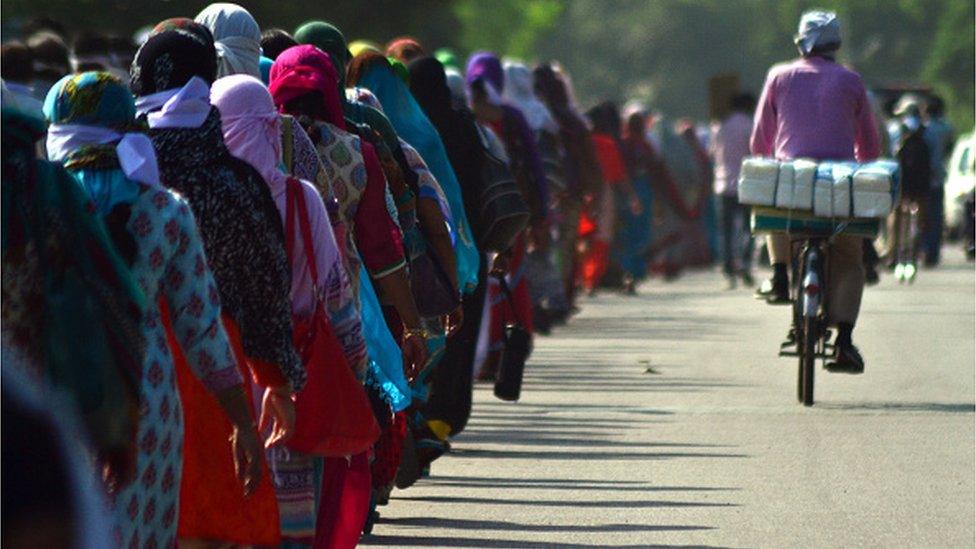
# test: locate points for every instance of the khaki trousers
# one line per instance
(846, 277)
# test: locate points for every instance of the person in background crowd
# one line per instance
(729, 145)
(914, 161)
(449, 405)
(582, 168)
(940, 139)
(405, 49)
(236, 36)
(545, 283)
(90, 116)
(842, 127)
(50, 60)
(90, 52)
(275, 41)
(680, 240)
(17, 71)
(486, 81)
(601, 266)
(121, 52)
(635, 230)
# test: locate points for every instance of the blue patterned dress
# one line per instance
(157, 233)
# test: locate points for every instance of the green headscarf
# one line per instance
(330, 39)
(401, 70)
(448, 58)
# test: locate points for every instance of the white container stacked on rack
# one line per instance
(827, 189)
(875, 188)
(795, 188)
(757, 181)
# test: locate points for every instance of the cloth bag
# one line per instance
(430, 284)
(503, 210)
(518, 346)
(333, 416)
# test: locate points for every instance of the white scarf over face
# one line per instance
(237, 38)
(135, 152)
(186, 107)
(519, 93)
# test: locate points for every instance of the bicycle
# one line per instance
(810, 333)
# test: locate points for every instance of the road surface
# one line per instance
(667, 419)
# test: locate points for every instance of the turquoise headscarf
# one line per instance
(414, 127)
(266, 64)
(100, 101)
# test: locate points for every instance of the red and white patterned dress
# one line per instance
(170, 265)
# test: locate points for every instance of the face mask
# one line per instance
(911, 122)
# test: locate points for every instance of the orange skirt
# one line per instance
(212, 502)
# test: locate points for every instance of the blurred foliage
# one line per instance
(661, 52)
(512, 27)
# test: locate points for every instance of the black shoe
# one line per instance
(747, 279)
(848, 361)
(775, 292)
(540, 321)
(871, 276)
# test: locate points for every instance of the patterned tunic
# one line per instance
(170, 264)
(242, 234)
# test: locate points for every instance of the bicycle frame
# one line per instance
(810, 303)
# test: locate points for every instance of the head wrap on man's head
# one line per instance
(819, 31)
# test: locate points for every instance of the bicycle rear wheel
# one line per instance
(808, 358)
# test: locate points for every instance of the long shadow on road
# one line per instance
(437, 541)
(598, 503)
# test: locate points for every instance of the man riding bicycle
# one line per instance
(815, 108)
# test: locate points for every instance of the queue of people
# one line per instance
(266, 268)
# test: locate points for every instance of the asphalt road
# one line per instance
(667, 419)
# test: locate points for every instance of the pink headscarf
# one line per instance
(302, 69)
(251, 125)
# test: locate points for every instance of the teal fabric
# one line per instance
(634, 235)
(413, 126)
(385, 370)
(95, 99)
(265, 66)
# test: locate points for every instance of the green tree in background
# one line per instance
(511, 27)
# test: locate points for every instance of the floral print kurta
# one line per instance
(170, 265)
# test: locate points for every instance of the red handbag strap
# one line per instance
(296, 207)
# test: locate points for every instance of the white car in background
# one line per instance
(960, 183)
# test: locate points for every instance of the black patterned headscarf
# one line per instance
(169, 59)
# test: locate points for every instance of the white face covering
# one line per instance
(911, 122)
(137, 158)
(186, 107)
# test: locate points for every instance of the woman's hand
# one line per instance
(414, 352)
(278, 412)
(247, 457)
(635, 205)
(453, 321)
(499, 266)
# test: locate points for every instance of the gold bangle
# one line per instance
(414, 332)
